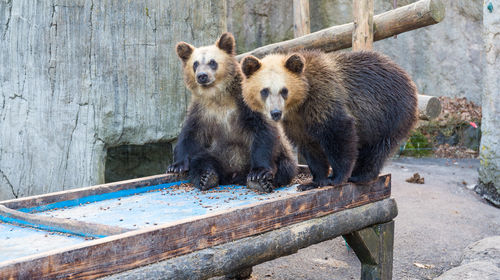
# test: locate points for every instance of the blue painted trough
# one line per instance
(105, 229)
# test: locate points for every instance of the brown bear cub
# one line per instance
(348, 110)
(222, 141)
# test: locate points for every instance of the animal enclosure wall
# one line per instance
(79, 76)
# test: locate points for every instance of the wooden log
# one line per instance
(429, 107)
(374, 247)
(67, 226)
(234, 256)
(362, 35)
(403, 19)
(301, 18)
(129, 250)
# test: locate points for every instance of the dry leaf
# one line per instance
(421, 265)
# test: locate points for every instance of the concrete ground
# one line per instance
(436, 221)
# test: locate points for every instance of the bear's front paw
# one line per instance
(260, 179)
(208, 180)
(362, 179)
(306, 187)
(314, 185)
(179, 167)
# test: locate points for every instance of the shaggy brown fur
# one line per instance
(347, 110)
(220, 142)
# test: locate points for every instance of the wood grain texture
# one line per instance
(57, 224)
(403, 19)
(136, 248)
(38, 200)
(234, 256)
(362, 35)
(301, 18)
(429, 107)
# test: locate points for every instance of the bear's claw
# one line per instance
(179, 167)
(208, 180)
(260, 180)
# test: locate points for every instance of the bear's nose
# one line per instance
(202, 78)
(276, 114)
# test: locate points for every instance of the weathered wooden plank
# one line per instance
(73, 194)
(132, 249)
(362, 35)
(301, 18)
(74, 227)
(234, 256)
(397, 21)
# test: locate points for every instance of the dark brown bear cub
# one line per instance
(222, 141)
(345, 110)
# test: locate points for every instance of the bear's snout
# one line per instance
(276, 114)
(202, 78)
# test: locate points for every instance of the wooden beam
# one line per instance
(67, 226)
(374, 247)
(362, 35)
(129, 250)
(403, 19)
(429, 107)
(75, 194)
(243, 253)
(301, 18)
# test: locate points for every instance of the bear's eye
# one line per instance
(212, 64)
(264, 92)
(195, 65)
(284, 93)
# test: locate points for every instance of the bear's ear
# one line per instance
(226, 43)
(250, 65)
(295, 63)
(184, 50)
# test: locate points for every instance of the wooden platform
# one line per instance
(160, 220)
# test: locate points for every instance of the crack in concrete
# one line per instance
(52, 62)
(20, 96)
(69, 146)
(8, 19)
(90, 41)
(16, 195)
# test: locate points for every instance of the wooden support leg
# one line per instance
(374, 247)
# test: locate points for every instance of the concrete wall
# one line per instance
(489, 173)
(79, 76)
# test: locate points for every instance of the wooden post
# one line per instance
(301, 27)
(362, 35)
(374, 248)
(301, 18)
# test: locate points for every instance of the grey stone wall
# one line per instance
(489, 173)
(80, 76)
(444, 59)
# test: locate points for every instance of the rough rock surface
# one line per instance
(481, 260)
(437, 68)
(472, 271)
(489, 173)
(77, 77)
